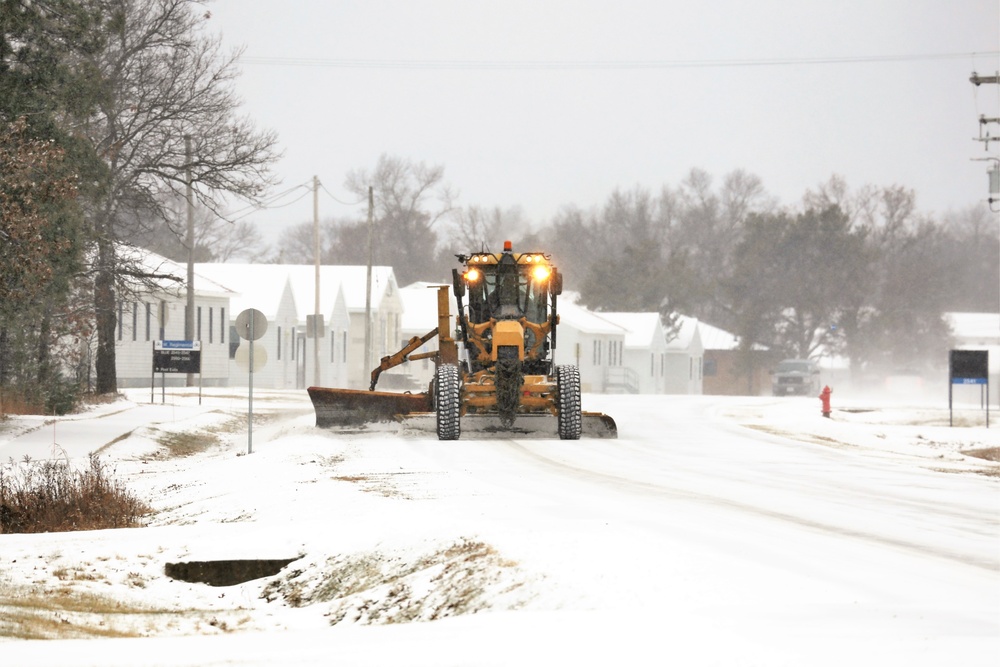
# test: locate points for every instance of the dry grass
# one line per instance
(62, 614)
(988, 453)
(190, 443)
(50, 496)
(187, 443)
(16, 402)
(100, 399)
(464, 577)
(67, 614)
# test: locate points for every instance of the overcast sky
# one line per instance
(544, 103)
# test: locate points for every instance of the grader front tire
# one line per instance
(447, 388)
(569, 412)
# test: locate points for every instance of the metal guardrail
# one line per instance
(621, 379)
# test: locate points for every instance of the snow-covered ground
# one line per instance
(713, 531)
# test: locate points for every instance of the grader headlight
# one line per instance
(540, 273)
(472, 275)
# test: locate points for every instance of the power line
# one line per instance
(330, 194)
(269, 202)
(356, 63)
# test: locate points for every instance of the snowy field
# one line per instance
(713, 531)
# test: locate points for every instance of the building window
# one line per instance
(293, 343)
(149, 319)
(343, 354)
(333, 347)
(211, 326)
(135, 321)
(222, 324)
(652, 365)
(163, 320)
(121, 314)
(279, 342)
(709, 368)
(198, 336)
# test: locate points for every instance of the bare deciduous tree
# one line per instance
(410, 199)
(481, 227)
(215, 239)
(164, 83)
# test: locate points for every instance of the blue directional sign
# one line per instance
(177, 356)
(177, 345)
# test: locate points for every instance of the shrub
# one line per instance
(50, 496)
(62, 396)
(58, 396)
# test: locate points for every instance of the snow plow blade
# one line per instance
(354, 407)
(599, 425)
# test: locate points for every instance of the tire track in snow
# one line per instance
(627, 485)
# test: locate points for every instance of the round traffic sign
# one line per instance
(243, 356)
(251, 320)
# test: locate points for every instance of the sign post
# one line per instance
(251, 325)
(969, 367)
(175, 356)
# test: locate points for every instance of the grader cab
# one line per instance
(498, 375)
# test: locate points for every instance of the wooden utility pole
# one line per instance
(189, 309)
(994, 174)
(368, 287)
(316, 312)
(983, 120)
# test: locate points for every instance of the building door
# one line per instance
(300, 361)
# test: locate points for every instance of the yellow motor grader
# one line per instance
(495, 373)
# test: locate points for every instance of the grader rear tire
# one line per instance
(569, 415)
(447, 394)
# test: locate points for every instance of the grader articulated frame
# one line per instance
(502, 379)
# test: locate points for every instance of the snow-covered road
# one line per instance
(687, 511)
(712, 531)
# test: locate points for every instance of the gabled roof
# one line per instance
(260, 286)
(420, 307)
(586, 321)
(714, 338)
(355, 282)
(642, 329)
(169, 276)
(688, 330)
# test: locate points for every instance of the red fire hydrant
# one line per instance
(824, 396)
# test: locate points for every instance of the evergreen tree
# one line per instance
(44, 168)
